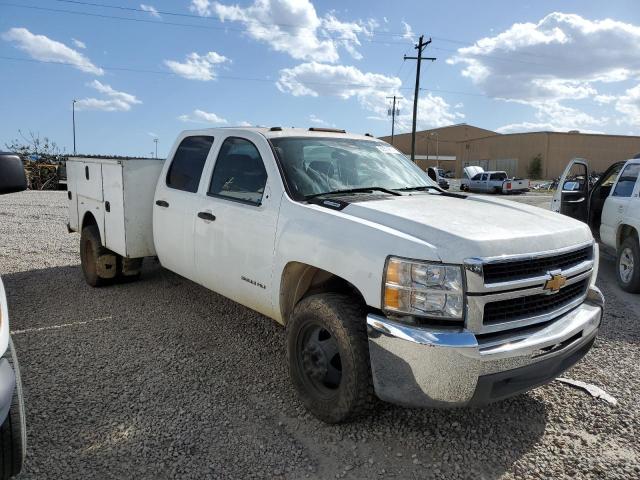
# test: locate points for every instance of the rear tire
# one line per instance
(90, 251)
(328, 355)
(13, 432)
(628, 265)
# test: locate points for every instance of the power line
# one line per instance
(226, 27)
(217, 77)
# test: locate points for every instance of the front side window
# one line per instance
(477, 176)
(627, 180)
(186, 168)
(484, 176)
(239, 173)
(315, 165)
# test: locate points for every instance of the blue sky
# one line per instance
(503, 65)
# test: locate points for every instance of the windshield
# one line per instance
(315, 166)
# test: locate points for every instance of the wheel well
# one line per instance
(87, 220)
(300, 280)
(626, 231)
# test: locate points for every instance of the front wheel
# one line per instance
(628, 265)
(328, 354)
(13, 432)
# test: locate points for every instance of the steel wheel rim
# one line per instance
(626, 265)
(319, 360)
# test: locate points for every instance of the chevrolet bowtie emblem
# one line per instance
(555, 283)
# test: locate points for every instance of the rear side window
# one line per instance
(186, 168)
(628, 178)
(239, 173)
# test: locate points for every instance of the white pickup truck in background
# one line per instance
(386, 284)
(475, 179)
(611, 208)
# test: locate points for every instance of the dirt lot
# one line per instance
(164, 379)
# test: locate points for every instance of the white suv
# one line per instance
(611, 207)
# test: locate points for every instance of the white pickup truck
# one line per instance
(387, 285)
(611, 208)
(475, 179)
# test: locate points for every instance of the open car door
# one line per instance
(572, 196)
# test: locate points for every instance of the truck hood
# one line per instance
(459, 228)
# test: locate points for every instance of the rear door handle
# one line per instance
(207, 216)
(162, 203)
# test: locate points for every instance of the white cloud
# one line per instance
(79, 43)
(319, 121)
(244, 123)
(43, 48)
(552, 116)
(293, 27)
(408, 32)
(114, 101)
(151, 9)
(370, 90)
(200, 116)
(560, 57)
(197, 67)
(629, 105)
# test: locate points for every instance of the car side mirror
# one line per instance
(12, 176)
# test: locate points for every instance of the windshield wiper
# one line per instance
(353, 190)
(420, 188)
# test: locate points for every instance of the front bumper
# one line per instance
(420, 367)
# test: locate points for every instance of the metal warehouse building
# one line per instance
(457, 146)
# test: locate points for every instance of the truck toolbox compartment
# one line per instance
(119, 194)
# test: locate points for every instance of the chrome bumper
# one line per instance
(422, 367)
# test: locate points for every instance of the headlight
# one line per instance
(423, 289)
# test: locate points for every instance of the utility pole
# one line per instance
(155, 140)
(420, 47)
(73, 119)
(393, 114)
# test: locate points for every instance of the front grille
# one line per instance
(531, 306)
(534, 267)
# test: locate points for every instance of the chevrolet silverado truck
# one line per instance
(387, 285)
(611, 208)
(13, 431)
(477, 180)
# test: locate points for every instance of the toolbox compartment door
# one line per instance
(114, 222)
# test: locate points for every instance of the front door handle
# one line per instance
(207, 216)
(162, 203)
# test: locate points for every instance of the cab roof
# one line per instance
(278, 132)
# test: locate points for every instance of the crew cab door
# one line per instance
(617, 206)
(175, 200)
(235, 222)
(572, 195)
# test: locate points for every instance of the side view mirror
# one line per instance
(12, 176)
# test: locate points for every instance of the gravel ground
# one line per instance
(164, 379)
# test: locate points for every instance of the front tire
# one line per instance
(628, 265)
(328, 355)
(13, 432)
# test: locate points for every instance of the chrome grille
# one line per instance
(533, 305)
(506, 294)
(516, 269)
